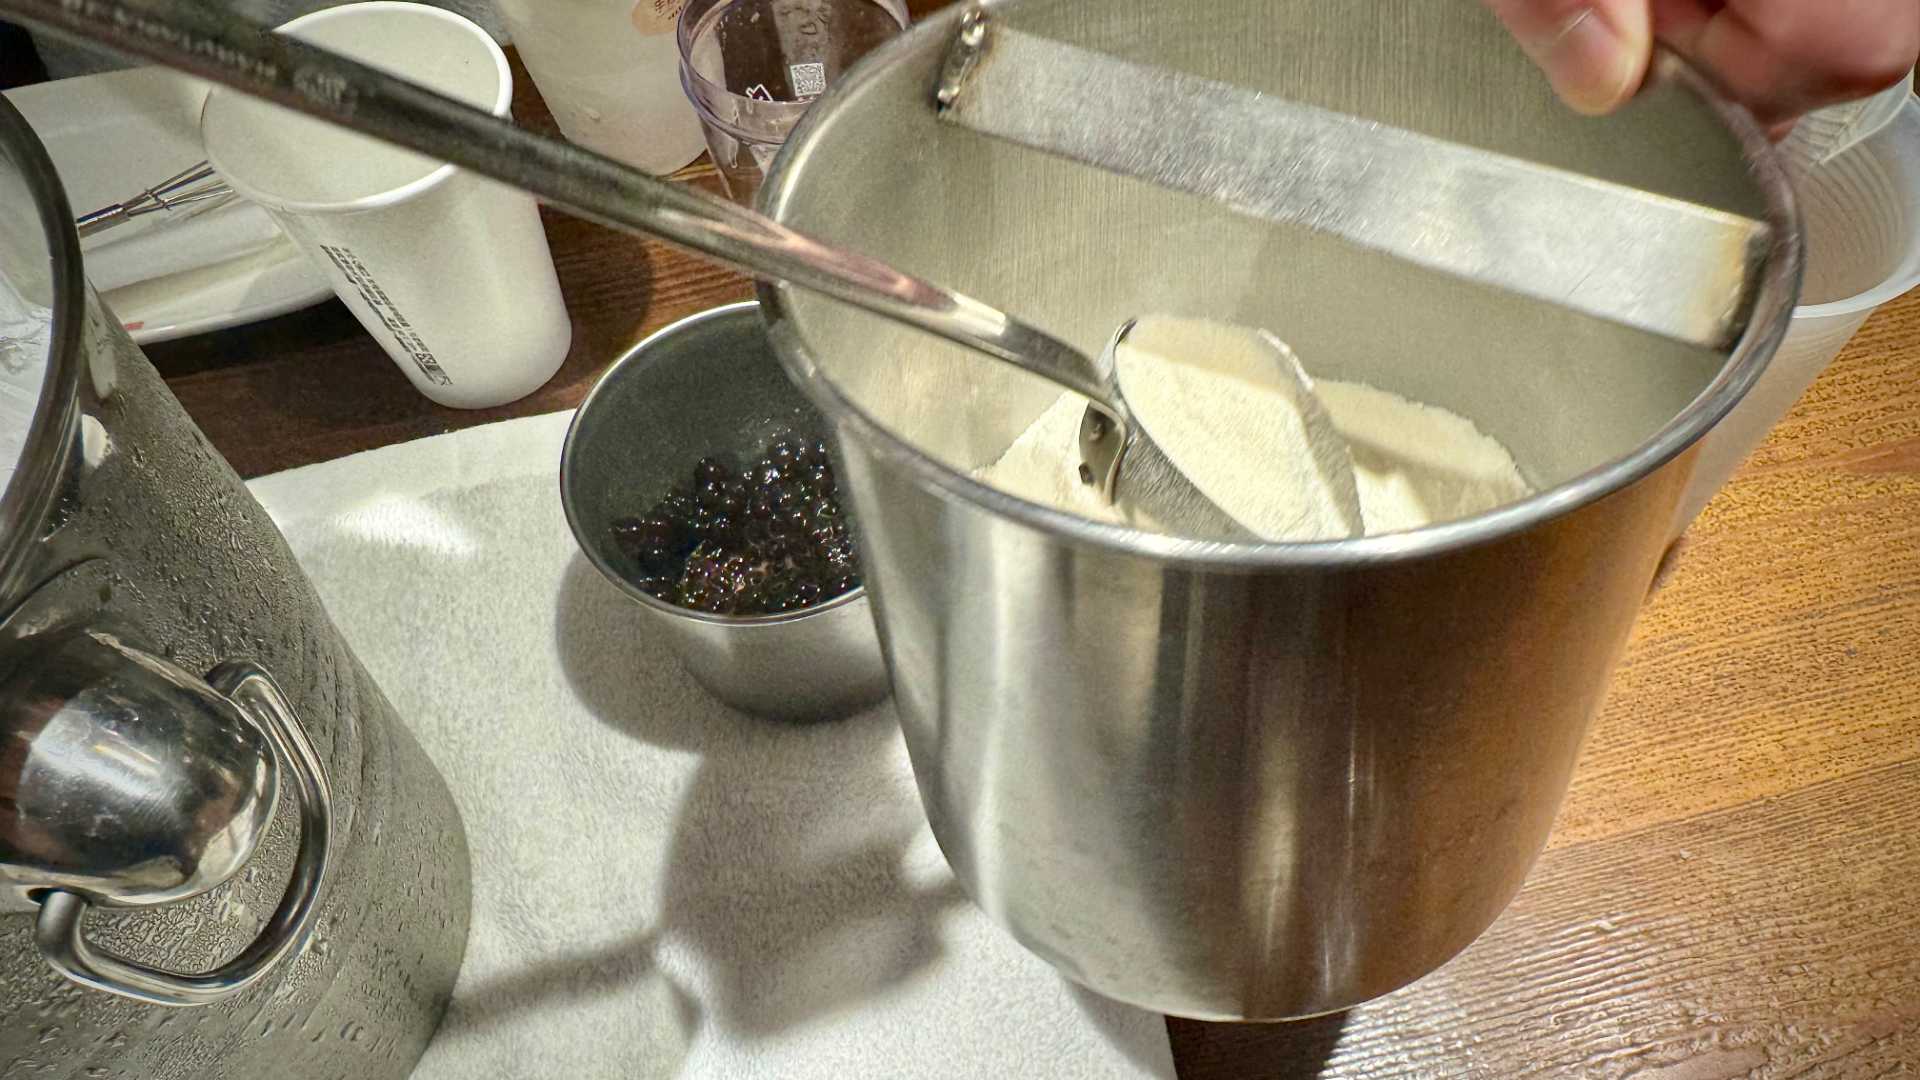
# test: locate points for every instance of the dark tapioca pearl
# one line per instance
(677, 504)
(711, 495)
(654, 560)
(712, 471)
(658, 530)
(629, 534)
(766, 539)
(695, 593)
(703, 560)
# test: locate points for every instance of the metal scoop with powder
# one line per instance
(1288, 458)
(1230, 412)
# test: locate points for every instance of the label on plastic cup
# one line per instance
(809, 81)
(652, 17)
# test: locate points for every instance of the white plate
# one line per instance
(111, 134)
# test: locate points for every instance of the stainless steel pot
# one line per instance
(1253, 781)
(220, 853)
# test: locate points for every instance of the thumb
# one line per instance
(1595, 52)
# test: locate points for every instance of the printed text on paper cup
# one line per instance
(376, 299)
(657, 16)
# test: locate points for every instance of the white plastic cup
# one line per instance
(610, 73)
(449, 271)
(1862, 214)
(1824, 135)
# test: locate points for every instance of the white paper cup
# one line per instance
(1862, 215)
(449, 271)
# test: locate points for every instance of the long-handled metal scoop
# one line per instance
(212, 44)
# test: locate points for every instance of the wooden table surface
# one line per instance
(1734, 886)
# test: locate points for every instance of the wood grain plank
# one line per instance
(1782, 651)
(1779, 939)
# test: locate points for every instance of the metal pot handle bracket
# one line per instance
(58, 930)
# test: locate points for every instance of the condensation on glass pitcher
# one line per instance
(196, 566)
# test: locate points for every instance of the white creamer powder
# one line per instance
(1414, 464)
(1233, 411)
(1043, 464)
(1418, 464)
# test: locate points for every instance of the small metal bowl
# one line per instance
(709, 384)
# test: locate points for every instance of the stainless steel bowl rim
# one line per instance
(591, 546)
(1772, 310)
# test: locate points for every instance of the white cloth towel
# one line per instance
(662, 887)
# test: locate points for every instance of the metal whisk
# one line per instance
(195, 185)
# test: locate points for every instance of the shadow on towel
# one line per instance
(794, 875)
(567, 979)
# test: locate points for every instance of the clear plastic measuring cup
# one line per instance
(751, 68)
(1862, 214)
(1827, 134)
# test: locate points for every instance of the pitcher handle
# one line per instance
(58, 929)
